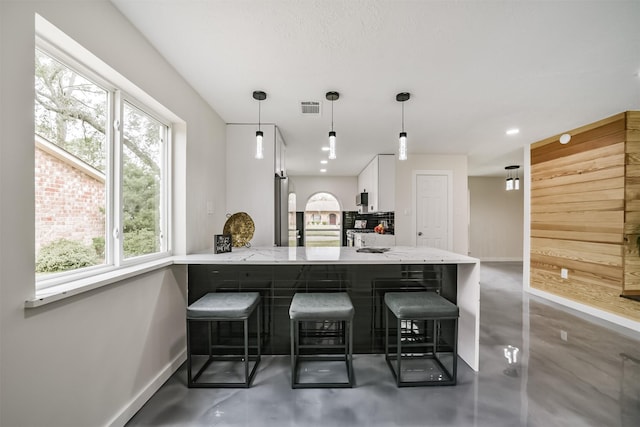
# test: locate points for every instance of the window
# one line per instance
(100, 174)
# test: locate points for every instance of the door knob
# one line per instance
(419, 233)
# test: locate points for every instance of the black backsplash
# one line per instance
(374, 219)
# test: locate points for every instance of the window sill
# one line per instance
(76, 287)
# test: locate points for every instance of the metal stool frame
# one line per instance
(398, 357)
(296, 357)
(246, 357)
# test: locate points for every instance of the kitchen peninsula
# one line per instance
(278, 272)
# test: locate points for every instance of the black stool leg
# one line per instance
(292, 328)
(350, 354)
(246, 351)
(399, 351)
(188, 354)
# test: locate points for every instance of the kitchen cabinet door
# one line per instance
(386, 177)
(378, 179)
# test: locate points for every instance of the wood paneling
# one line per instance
(631, 283)
(599, 137)
(601, 297)
(585, 214)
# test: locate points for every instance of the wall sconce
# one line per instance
(513, 181)
(259, 96)
(402, 141)
(332, 96)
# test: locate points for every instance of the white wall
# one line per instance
(344, 188)
(92, 359)
(404, 215)
(250, 182)
(497, 217)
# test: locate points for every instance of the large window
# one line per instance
(100, 174)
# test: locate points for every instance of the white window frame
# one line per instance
(114, 254)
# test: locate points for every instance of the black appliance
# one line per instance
(299, 228)
(362, 199)
(281, 216)
(348, 222)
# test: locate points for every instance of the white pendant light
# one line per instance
(513, 181)
(402, 142)
(259, 96)
(332, 96)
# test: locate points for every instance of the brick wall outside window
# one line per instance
(69, 202)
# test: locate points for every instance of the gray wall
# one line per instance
(344, 188)
(93, 359)
(497, 220)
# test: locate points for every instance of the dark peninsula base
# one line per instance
(365, 284)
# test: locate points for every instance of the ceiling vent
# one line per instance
(310, 108)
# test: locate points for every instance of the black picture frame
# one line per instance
(221, 243)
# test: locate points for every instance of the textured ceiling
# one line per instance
(474, 69)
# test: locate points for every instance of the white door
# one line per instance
(433, 209)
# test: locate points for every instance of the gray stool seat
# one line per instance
(418, 305)
(331, 317)
(224, 307)
(428, 349)
(325, 306)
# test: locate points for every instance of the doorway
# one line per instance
(433, 198)
(322, 224)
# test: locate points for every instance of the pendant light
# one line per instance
(332, 96)
(513, 181)
(259, 96)
(402, 142)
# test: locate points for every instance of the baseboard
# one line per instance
(500, 259)
(619, 323)
(145, 394)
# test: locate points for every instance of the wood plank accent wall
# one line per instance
(585, 215)
(632, 207)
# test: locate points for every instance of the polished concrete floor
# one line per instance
(566, 369)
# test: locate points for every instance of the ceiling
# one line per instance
(474, 69)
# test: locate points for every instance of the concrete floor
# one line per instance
(569, 370)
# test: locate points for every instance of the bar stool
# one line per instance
(322, 308)
(227, 307)
(419, 317)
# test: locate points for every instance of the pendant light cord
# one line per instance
(259, 102)
(402, 116)
(332, 115)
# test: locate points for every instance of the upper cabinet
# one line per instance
(378, 179)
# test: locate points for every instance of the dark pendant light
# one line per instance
(332, 96)
(402, 142)
(259, 96)
(513, 182)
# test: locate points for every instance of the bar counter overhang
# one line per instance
(279, 272)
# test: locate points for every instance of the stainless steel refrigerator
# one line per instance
(281, 193)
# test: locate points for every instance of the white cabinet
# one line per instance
(378, 179)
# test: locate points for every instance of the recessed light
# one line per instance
(565, 138)
(325, 148)
(323, 170)
(324, 162)
(513, 131)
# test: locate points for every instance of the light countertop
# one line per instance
(331, 255)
